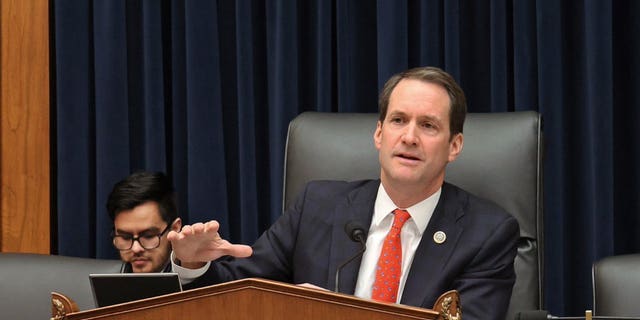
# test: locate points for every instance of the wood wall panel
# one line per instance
(24, 126)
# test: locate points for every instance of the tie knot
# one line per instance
(400, 217)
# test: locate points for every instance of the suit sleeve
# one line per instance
(271, 258)
(485, 285)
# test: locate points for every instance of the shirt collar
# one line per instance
(421, 212)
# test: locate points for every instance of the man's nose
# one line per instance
(136, 246)
(409, 136)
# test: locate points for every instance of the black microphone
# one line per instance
(544, 315)
(355, 233)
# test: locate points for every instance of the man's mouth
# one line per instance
(139, 261)
(408, 156)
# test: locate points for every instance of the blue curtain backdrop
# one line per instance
(204, 90)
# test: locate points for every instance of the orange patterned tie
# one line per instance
(389, 268)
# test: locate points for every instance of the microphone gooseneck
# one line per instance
(356, 234)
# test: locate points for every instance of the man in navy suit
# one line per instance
(451, 240)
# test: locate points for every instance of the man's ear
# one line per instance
(377, 135)
(455, 146)
(176, 225)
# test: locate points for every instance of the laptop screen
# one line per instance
(114, 288)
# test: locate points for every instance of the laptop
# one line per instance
(113, 288)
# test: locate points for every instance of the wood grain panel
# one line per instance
(258, 299)
(24, 126)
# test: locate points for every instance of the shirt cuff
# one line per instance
(187, 275)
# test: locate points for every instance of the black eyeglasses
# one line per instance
(147, 241)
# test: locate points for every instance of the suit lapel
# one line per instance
(430, 257)
(357, 206)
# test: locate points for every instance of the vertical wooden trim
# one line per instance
(24, 126)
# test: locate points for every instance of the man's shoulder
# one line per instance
(474, 205)
(481, 218)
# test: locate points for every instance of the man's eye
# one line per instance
(125, 236)
(396, 120)
(148, 236)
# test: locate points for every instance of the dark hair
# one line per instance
(457, 107)
(141, 187)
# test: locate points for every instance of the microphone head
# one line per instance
(533, 315)
(355, 231)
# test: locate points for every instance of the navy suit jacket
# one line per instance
(308, 242)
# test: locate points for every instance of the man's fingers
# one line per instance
(211, 226)
(197, 228)
(202, 242)
(172, 235)
(194, 229)
(239, 250)
(186, 231)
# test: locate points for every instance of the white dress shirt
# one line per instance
(186, 275)
(410, 237)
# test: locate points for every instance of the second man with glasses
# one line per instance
(143, 210)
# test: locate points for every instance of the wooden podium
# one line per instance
(257, 299)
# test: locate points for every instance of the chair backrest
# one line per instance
(616, 284)
(501, 161)
(27, 280)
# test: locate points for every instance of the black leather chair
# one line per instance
(501, 161)
(27, 280)
(616, 284)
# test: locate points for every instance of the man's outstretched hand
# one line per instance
(199, 243)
